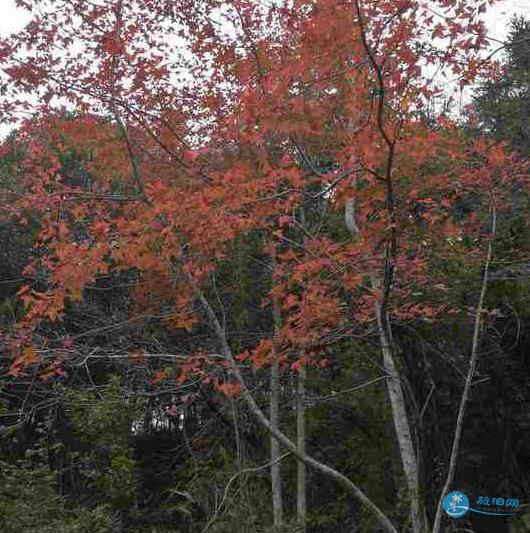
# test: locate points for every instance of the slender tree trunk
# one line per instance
(470, 374)
(395, 391)
(235, 420)
(301, 504)
(274, 414)
(349, 216)
(276, 479)
(401, 422)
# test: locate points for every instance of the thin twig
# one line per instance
(232, 479)
(348, 391)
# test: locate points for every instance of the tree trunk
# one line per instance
(301, 504)
(395, 391)
(235, 420)
(401, 422)
(276, 478)
(349, 216)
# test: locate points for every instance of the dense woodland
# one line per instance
(273, 283)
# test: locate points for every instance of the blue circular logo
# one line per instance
(456, 504)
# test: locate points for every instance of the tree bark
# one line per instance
(235, 420)
(401, 422)
(276, 479)
(301, 504)
(274, 414)
(349, 216)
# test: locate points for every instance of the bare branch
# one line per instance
(232, 479)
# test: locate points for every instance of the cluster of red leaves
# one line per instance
(200, 158)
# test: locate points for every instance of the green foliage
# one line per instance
(241, 276)
(521, 523)
(9, 162)
(105, 420)
(105, 416)
(27, 498)
(29, 503)
(246, 506)
(503, 105)
(119, 479)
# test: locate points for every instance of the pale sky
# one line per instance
(11, 18)
(498, 16)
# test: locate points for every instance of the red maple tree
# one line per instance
(200, 121)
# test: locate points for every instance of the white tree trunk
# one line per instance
(349, 216)
(301, 504)
(274, 415)
(401, 424)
